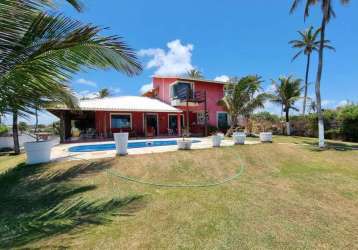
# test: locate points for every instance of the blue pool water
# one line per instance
(112, 146)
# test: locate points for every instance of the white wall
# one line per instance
(7, 142)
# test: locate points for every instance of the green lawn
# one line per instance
(289, 196)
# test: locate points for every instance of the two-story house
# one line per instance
(173, 104)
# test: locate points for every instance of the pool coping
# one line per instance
(61, 152)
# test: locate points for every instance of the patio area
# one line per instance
(61, 152)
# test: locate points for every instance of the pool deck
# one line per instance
(61, 152)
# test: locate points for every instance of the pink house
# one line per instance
(172, 104)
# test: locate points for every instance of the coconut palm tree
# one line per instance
(307, 44)
(327, 14)
(42, 58)
(242, 98)
(312, 106)
(194, 74)
(103, 93)
(286, 93)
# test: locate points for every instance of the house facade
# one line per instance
(173, 104)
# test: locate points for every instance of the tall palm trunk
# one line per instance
(288, 128)
(306, 83)
(321, 143)
(15, 133)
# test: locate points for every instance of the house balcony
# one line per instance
(178, 103)
(192, 98)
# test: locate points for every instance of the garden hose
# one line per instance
(203, 185)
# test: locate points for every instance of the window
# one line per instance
(180, 89)
(121, 121)
(200, 117)
(223, 120)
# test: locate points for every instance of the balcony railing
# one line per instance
(188, 95)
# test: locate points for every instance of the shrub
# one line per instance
(265, 121)
(212, 129)
(23, 126)
(3, 129)
(348, 117)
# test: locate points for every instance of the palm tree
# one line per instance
(194, 74)
(242, 98)
(327, 14)
(312, 106)
(42, 58)
(286, 93)
(103, 93)
(307, 44)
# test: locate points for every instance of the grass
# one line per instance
(289, 196)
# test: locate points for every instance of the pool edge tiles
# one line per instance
(131, 145)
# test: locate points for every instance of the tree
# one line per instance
(103, 93)
(39, 61)
(307, 44)
(286, 93)
(327, 14)
(312, 107)
(23, 127)
(194, 74)
(242, 98)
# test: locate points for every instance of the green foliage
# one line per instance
(212, 129)
(348, 116)
(194, 74)
(287, 92)
(66, 47)
(267, 116)
(308, 42)
(104, 93)
(3, 129)
(243, 98)
(341, 123)
(23, 126)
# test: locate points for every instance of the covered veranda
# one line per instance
(99, 119)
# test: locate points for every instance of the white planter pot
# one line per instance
(121, 140)
(266, 137)
(184, 144)
(216, 140)
(239, 138)
(38, 152)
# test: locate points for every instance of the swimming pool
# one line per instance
(112, 146)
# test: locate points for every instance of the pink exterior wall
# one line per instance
(214, 92)
(103, 122)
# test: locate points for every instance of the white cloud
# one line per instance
(342, 103)
(145, 88)
(328, 103)
(175, 61)
(271, 107)
(271, 88)
(86, 94)
(222, 78)
(114, 90)
(86, 82)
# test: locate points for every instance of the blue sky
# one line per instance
(228, 37)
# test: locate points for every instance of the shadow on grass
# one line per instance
(36, 203)
(339, 146)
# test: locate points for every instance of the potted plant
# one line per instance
(265, 136)
(38, 151)
(216, 139)
(184, 143)
(121, 141)
(239, 138)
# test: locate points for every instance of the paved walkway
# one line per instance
(61, 152)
